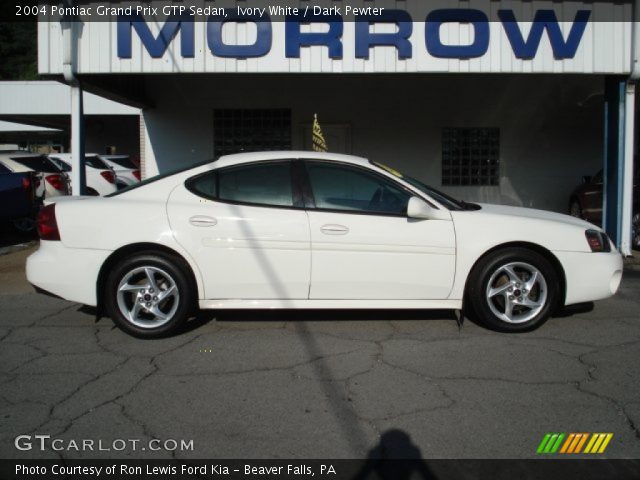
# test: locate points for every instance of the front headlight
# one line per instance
(598, 241)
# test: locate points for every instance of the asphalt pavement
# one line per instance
(312, 384)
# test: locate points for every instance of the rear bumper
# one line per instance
(590, 276)
(69, 273)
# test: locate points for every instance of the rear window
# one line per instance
(61, 164)
(39, 163)
(123, 162)
(95, 162)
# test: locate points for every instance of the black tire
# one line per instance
(575, 209)
(522, 262)
(166, 271)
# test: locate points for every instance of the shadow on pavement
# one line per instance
(395, 457)
(205, 316)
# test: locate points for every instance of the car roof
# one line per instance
(248, 157)
(67, 156)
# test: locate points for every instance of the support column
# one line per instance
(78, 175)
(627, 170)
(618, 161)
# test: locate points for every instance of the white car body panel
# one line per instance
(93, 177)
(260, 257)
(380, 257)
(249, 252)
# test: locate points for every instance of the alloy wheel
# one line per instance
(516, 292)
(148, 297)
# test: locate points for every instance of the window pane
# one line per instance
(343, 188)
(467, 154)
(205, 185)
(266, 184)
(95, 162)
(39, 164)
(251, 130)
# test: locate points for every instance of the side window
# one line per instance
(266, 184)
(338, 187)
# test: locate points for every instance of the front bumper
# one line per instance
(590, 276)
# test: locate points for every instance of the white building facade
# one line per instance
(495, 101)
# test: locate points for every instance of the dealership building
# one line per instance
(508, 102)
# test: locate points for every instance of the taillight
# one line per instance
(26, 183)
(56, 181)
(47, 224)
(598, 241)
(108, 176)
(136, 173)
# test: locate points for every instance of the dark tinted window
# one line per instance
(95, 162)
(259, 184)
(61, 165)
(123, 162)
(339, 187)
(39, 164)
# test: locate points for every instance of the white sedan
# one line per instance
(313, 230)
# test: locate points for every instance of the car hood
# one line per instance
(522, 212)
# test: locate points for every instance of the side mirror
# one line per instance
(586, 179)
(418, 208)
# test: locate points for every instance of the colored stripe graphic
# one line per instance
(598, 442)
(573, 443)
(550, 443)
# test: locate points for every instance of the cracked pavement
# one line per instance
(315, 384)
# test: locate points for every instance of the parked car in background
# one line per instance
(53, 181)
(313, 230)
(127, 173)
(586, 203)
(100, 178)
(19, 202)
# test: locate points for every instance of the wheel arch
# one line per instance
(548, 254)
(136, 248)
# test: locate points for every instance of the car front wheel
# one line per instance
(149, 295)
(513, 290)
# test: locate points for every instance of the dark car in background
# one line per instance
(19, 201)
(586, 203)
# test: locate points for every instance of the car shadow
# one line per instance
(314, 315)
(576, 309)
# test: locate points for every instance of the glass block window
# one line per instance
(252, 130)
(470, 156)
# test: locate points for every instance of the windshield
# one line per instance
(61, 164)
(445, 200)
(122, 161)
(95, 162)
(39, 163)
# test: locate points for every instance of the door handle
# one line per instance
(202, 221)
(333, 229)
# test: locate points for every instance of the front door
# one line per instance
(363, 244)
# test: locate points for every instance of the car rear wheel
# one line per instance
(149, 295)
(513, 290)
(575, 210)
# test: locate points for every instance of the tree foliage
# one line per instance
(18, 50)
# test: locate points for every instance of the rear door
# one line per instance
(363, 244)
(247, 231)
